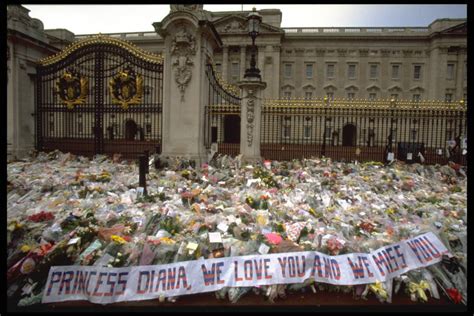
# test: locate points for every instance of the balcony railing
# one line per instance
(359, 30)
(123, 35)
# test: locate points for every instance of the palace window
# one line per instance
(309, 70)
(148, 128)
(374, 71)
(351, 95)
(330, 71)
(450, 72)
(330, 96)
(288, 95)
(308, 95)
(416, 97)
(371, 137)
(417, 72)
(395, 71)
(307, 131)
(235, 72)
(448, 97)
(394, 96)
(286, 127)
(372, 96)
(449, 134)
(413, 134)
(351, 71)
(394, 134)
(288, 70)
(219, 68)
(328, 132)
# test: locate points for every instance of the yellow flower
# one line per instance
(419, 288)
(25, 248)
(167, 240)
(14, 225)
(378, 289)
(118, 239)
(313, 212)
(261, 220)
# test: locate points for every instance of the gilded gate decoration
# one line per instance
(113, 95)
(126, 88)
(72, 89)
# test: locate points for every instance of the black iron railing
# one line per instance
(364, 130)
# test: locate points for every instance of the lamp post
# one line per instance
(254, 19)
(251, 104)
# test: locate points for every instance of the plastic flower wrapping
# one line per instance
(70, 210)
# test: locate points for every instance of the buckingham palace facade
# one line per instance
(345, 62)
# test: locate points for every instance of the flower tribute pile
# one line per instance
(69, 210)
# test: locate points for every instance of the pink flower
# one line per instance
(334, 246)
(273, 238)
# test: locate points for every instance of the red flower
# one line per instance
(44, 249)
(127, 238)
(368, 227)
(454, 295)
(41, 217)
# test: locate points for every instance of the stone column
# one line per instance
(261, 59)
(243, 64)
(459, 77)
(189, 43)
(225, 59)
(12, 96)
(276, 72)
(440, 81)
(433, 74)
(251, 107)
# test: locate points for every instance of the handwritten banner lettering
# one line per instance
(109, 285)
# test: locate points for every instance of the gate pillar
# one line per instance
(190, 39)
(250, 123)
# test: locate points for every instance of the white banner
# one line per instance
(108, 285)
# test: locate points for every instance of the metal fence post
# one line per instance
(143, 166)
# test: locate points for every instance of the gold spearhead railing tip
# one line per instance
(98, 39)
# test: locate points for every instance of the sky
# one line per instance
(88, 19)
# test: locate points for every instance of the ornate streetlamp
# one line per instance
(254, 19)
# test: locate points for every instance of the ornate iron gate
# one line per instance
(100, 95)
(222, 115)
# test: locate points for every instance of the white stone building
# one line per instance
(410, 63)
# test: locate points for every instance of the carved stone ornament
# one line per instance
(72, 89)
(126, 88)
(234, 27)
(186, 7)
(250, 116)
(183, 47)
